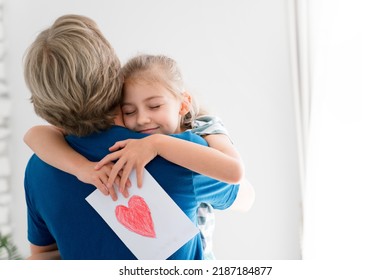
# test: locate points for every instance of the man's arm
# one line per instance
(49, 252)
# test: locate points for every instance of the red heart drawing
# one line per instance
(136, 217)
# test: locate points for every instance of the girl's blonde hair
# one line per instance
(163, 70)
(74, 76)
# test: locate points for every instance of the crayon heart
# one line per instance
(136, 217)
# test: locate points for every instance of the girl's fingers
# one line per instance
(140, 173)
(112, 192)
(114, 147)
(107, 159)
(117, 180)
(128, 182)
(125, 192)
(102, 187)
(118, 145)
(125, 176)
(114, 174)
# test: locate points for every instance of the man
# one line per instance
(75, 82)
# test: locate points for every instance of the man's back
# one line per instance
(58, 212)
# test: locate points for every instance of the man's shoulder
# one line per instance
(111, 135)
(112, 131)
(96, 145)
(120, 132)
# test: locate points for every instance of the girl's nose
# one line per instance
(142, 118)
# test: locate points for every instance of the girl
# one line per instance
(156, 103)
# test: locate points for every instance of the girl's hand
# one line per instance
(130, 154)
(99, 178)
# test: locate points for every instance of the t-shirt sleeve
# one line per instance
(207, 125)
(38, 232)
(219, 194)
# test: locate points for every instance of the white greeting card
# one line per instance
(149, 222)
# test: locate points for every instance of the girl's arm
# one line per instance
(246, 194)
(221, 163)
(49, 144)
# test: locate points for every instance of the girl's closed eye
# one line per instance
(128, 111)
(155, 106)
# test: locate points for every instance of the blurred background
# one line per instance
(237, 57)
(302, 86)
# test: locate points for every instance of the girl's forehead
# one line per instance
(135, 93)
(145, 87)
(148, 88)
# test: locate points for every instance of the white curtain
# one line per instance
(300, 69)
(343, 115)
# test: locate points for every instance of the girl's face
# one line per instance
(151, 109)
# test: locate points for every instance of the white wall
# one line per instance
(234, 56)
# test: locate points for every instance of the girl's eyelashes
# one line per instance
(155, 105)
(128, 112)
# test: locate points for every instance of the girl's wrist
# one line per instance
(77, 167)
(157, 141)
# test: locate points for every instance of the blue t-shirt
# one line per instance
(58, 212)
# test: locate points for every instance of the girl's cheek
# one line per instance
(127, 123)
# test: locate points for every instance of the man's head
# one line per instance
(74, 77)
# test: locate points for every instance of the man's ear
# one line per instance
(185, 104)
